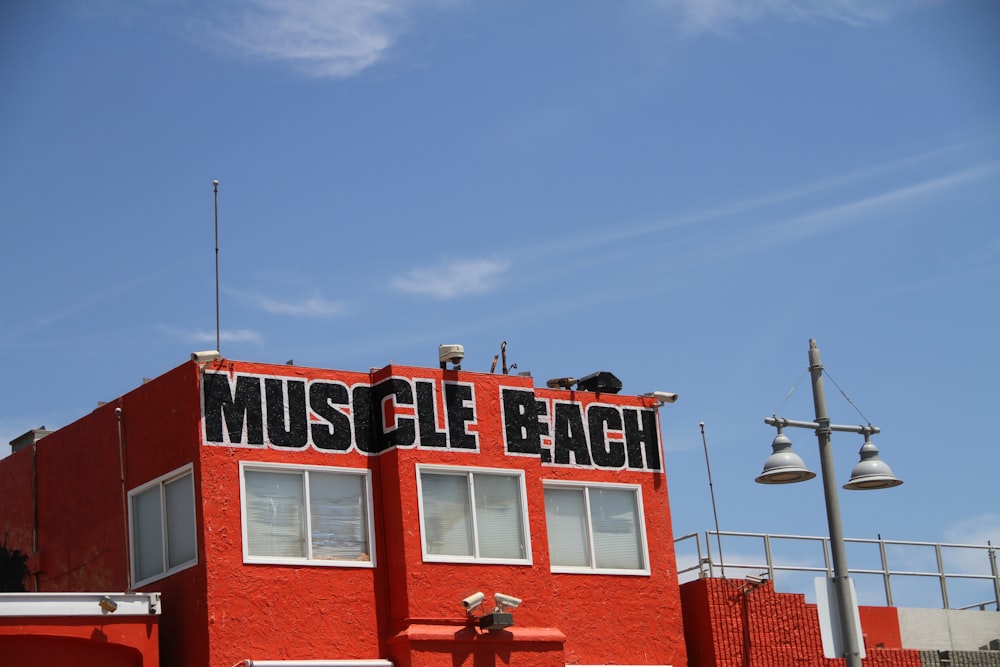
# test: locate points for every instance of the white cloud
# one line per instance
(454, 279)
(975, 530)
(320, 38)
(810, 223)
(699, 16)
(818, 222)
(204, 336)
(314, 306)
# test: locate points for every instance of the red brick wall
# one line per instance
(729, 623)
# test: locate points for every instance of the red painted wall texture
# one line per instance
(729, 623)
(86, 642)
(223, 610)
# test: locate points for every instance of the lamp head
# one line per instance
(783, 466)
(871, 472)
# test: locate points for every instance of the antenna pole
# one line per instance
(711, 490)
(121, 465)
(218, 336)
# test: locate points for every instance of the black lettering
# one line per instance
(286, 423)
(457, 398)
(601, 419)
(642, 440)
(236, 407)
(361, 412)
(404, 433)
(335, 434)
(542, 407)
(427, 417)
(570, 436)
(520, 422)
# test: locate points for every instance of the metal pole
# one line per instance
(711, 491)
(885, 572)
(841, 582)
(218, 335)
(992, 552)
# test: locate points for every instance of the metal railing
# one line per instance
(707, 564)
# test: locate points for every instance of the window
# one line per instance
(473, 515)
(162, 538)
(595, 528)
(312, 514)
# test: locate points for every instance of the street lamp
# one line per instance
(785, 466)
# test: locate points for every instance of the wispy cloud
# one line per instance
(808, 223)
(204, 336)
(453, 279)
(314, 306)
(319, 38)
(818, 222)
(975, 530)
(700, 16)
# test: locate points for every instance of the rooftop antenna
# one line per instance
(711, 490)
(121, 468)
(215, 185)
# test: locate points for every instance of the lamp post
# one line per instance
(784, 466)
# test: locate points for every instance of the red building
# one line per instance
(297, 514)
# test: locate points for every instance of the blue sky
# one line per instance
(681, 192)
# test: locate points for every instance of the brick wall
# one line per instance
(729, 623)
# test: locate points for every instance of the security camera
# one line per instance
(452, 354)
(757, 579)
(662, 396)
(505, 602)
(205, 356)
(560, 383)
(473, 600)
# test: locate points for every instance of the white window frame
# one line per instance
(468, 473)
(304, 470)
(161, 483)
(636, 489)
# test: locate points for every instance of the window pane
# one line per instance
(338, 515)
(181, 545)
(447, 524)
(499, 522)
(147, 529)
(565, 518)
(275, 517)
(615, 519)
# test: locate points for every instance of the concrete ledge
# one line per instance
(79, 604)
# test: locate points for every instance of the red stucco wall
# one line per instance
(880, 627)
(729, 623)
(87, 642)
(223, 610)
(274, 612)
(81, 531)
(15, 501)
(362, 613)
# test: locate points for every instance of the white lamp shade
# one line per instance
(871, 472)
(783, 466)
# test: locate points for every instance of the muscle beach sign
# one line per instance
(251, 410)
